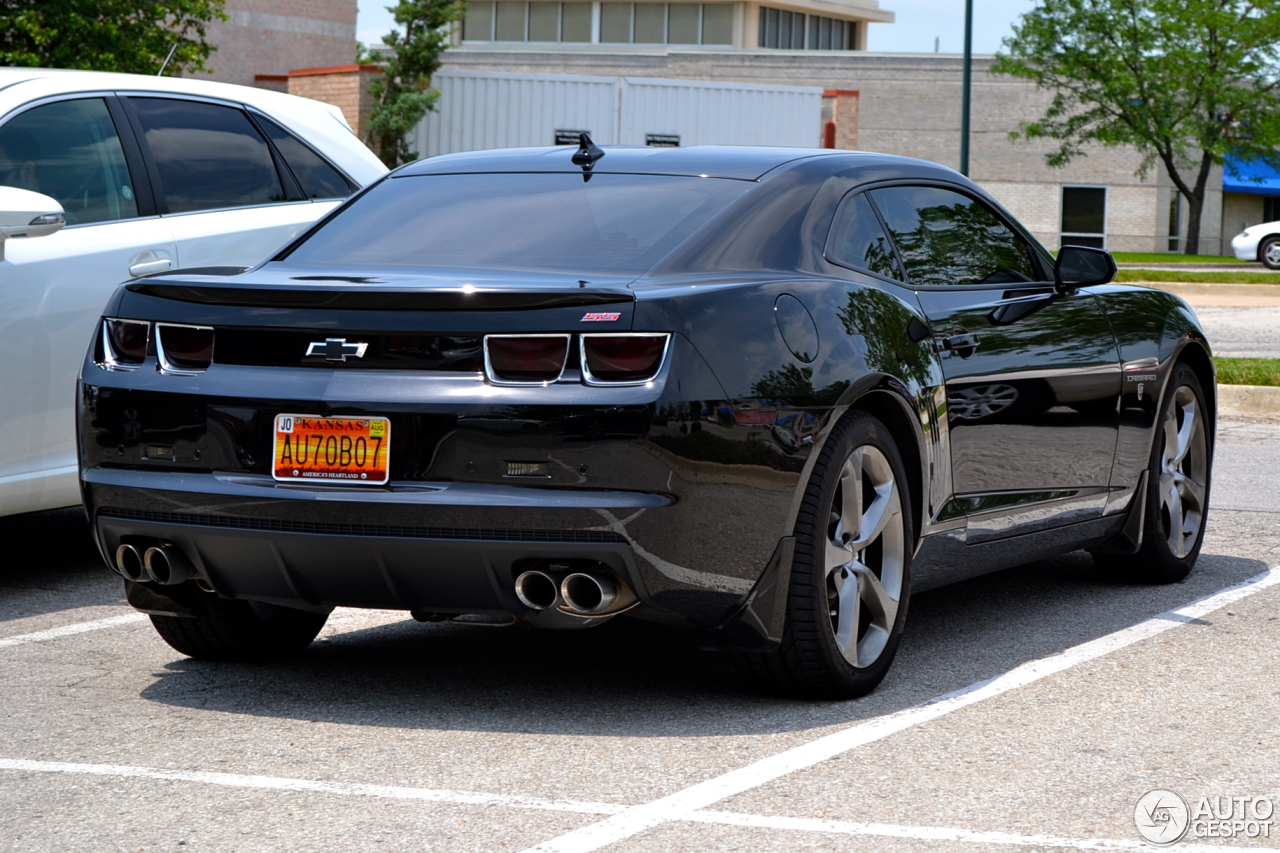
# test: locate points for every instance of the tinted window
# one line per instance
(316, 177)
(948, 238)
(552, 222)
(1084, 216)
(208, 156)
(857, 240)
(69, 150)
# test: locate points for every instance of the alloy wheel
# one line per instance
(864, 556)
(981, 401)
(1271, 253)
(1184, 467)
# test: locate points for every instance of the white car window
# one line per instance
(69, 150)
(207, 156)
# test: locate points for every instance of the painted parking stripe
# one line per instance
(72, 629)
(312, 786)
(471, 798)
(933, 833)
(681, 804)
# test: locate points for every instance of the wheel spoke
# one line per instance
(851, 497)
(877, 516)
(1182, 443)
(1172, 500)
(884, 610)
(847, 598)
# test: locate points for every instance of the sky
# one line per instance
(919, 23)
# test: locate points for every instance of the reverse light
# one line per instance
(624, 358)
(525, 359)
(184, 349)
(124, 343)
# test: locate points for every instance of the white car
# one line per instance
(151, 174)
(1259, 243)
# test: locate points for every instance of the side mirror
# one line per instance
(27, 214)
(1081, 266)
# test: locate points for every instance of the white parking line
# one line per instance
(680, 805)
(933, 833)
(72, 629)
(279, 783)
(471, 798)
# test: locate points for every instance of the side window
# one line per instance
(317, 178)
(208, 156)
(69, 150)
(946, 238)
(857, 240)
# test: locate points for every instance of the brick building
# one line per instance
(263, 40)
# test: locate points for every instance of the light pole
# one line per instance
(968, 81)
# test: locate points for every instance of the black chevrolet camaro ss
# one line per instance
(761, 394)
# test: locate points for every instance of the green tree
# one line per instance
(404, 95)
(1185, 82)
(132, 36)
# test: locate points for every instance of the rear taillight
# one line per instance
(124, 343)
(184, 349)
(631, 358)
(525, 359)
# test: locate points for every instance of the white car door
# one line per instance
(53, 289)
(227, 194)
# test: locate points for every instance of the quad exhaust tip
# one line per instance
(537, 590)
(588, 593)
(129, 563)
(167, 565)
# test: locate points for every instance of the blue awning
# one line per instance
(1250, 176)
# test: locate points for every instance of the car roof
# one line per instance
(740, 162)
(323, 125)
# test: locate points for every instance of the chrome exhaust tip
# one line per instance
(589, 593)
(167, 565)
(129, 563)
(537, 590)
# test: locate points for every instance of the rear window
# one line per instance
(534, 222)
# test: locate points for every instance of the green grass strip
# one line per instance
(1248, 371)
(1173, 258)
(1178, 277)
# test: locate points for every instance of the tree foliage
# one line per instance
(131, 36)
(404, 95)
(1185, 82)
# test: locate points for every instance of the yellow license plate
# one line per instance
(349, 450)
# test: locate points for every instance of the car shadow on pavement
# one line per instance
(52, 565)
(629, 678)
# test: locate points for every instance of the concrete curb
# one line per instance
(1248, 400)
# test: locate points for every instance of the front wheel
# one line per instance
(1269, 253)
(851, 575)
(1177, 493)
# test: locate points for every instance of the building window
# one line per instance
(620, 23)
(1271, 209)
(796, 31)
(1175, 221)
(1084, 217)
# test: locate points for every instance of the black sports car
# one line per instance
(762, 394)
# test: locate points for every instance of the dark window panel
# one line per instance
(315, 175)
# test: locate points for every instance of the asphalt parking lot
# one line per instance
(1028, 709)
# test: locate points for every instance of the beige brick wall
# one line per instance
(1239, 211)
(272, 36)
(344, 86)
(841, 106)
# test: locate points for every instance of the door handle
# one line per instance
(146, 267)
(963, 344)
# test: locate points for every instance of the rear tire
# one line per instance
(851, 575)
(1177, 493)
(233, 630)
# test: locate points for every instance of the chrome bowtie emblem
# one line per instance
(336, 349)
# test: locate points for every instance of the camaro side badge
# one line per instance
(601, 317)
(336, 349)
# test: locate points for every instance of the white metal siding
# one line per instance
(481, 110)
(721, 113)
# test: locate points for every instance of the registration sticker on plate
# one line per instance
(346, 449)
